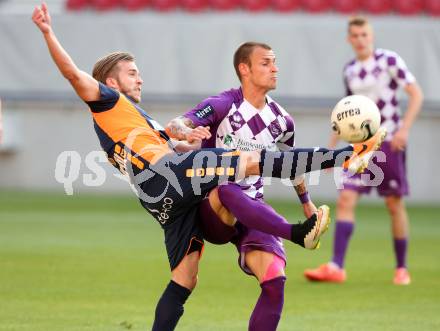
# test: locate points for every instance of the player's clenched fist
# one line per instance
(41, 18)
(198, 134)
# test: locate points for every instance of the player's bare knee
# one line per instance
(394, 205)
(185, 274)
(188, 280)
(265, 266)
(192, 282)
(223, 214)
(346, 201)
(343, 205)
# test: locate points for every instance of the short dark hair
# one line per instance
(107, 65)
(243, 53)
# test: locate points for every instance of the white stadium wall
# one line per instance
(37, 137)
(187, 54)
(184, 58)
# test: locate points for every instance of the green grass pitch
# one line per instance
(98, 263)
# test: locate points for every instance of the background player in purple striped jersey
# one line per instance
(376, 73)
(248, 119)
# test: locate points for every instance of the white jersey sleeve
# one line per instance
(398, 69)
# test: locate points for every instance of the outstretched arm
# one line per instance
(182, 128)
(85, 86)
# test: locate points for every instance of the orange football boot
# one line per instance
(328, 272)
(363, 151)
(401, 277)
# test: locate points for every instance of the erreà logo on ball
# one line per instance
(347, 113)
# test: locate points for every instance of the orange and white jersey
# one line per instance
(126, 132)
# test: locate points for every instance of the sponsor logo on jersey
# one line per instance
(120, 158)
(205, 112)
(245, 145)
(236, 121)
(162, 214)
(275, 129)
(228, 141)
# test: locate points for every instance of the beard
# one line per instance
(133, 94)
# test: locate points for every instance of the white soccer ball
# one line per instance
(355, 118)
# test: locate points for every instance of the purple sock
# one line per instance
(267, 311)
(343, 232)
(253, 213)
(400, 247)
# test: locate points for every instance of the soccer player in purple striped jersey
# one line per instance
(248, 119)
(377, 74)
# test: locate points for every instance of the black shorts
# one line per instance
(171, 190)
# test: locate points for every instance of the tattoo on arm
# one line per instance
(300, 188)
(179, 127)
(187, 121)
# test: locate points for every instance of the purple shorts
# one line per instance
(245, 239)
(250, 240)
(394, 180)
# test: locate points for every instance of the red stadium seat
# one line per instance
(285, 6)
(433, 7)
(408, 7)
(164, 5)
(316, 6)
(133, 5)
(104, 5)
(346, 6)
(224, 4)
(255, 5)
(194, 5)
(77, 4)
(377, 6)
